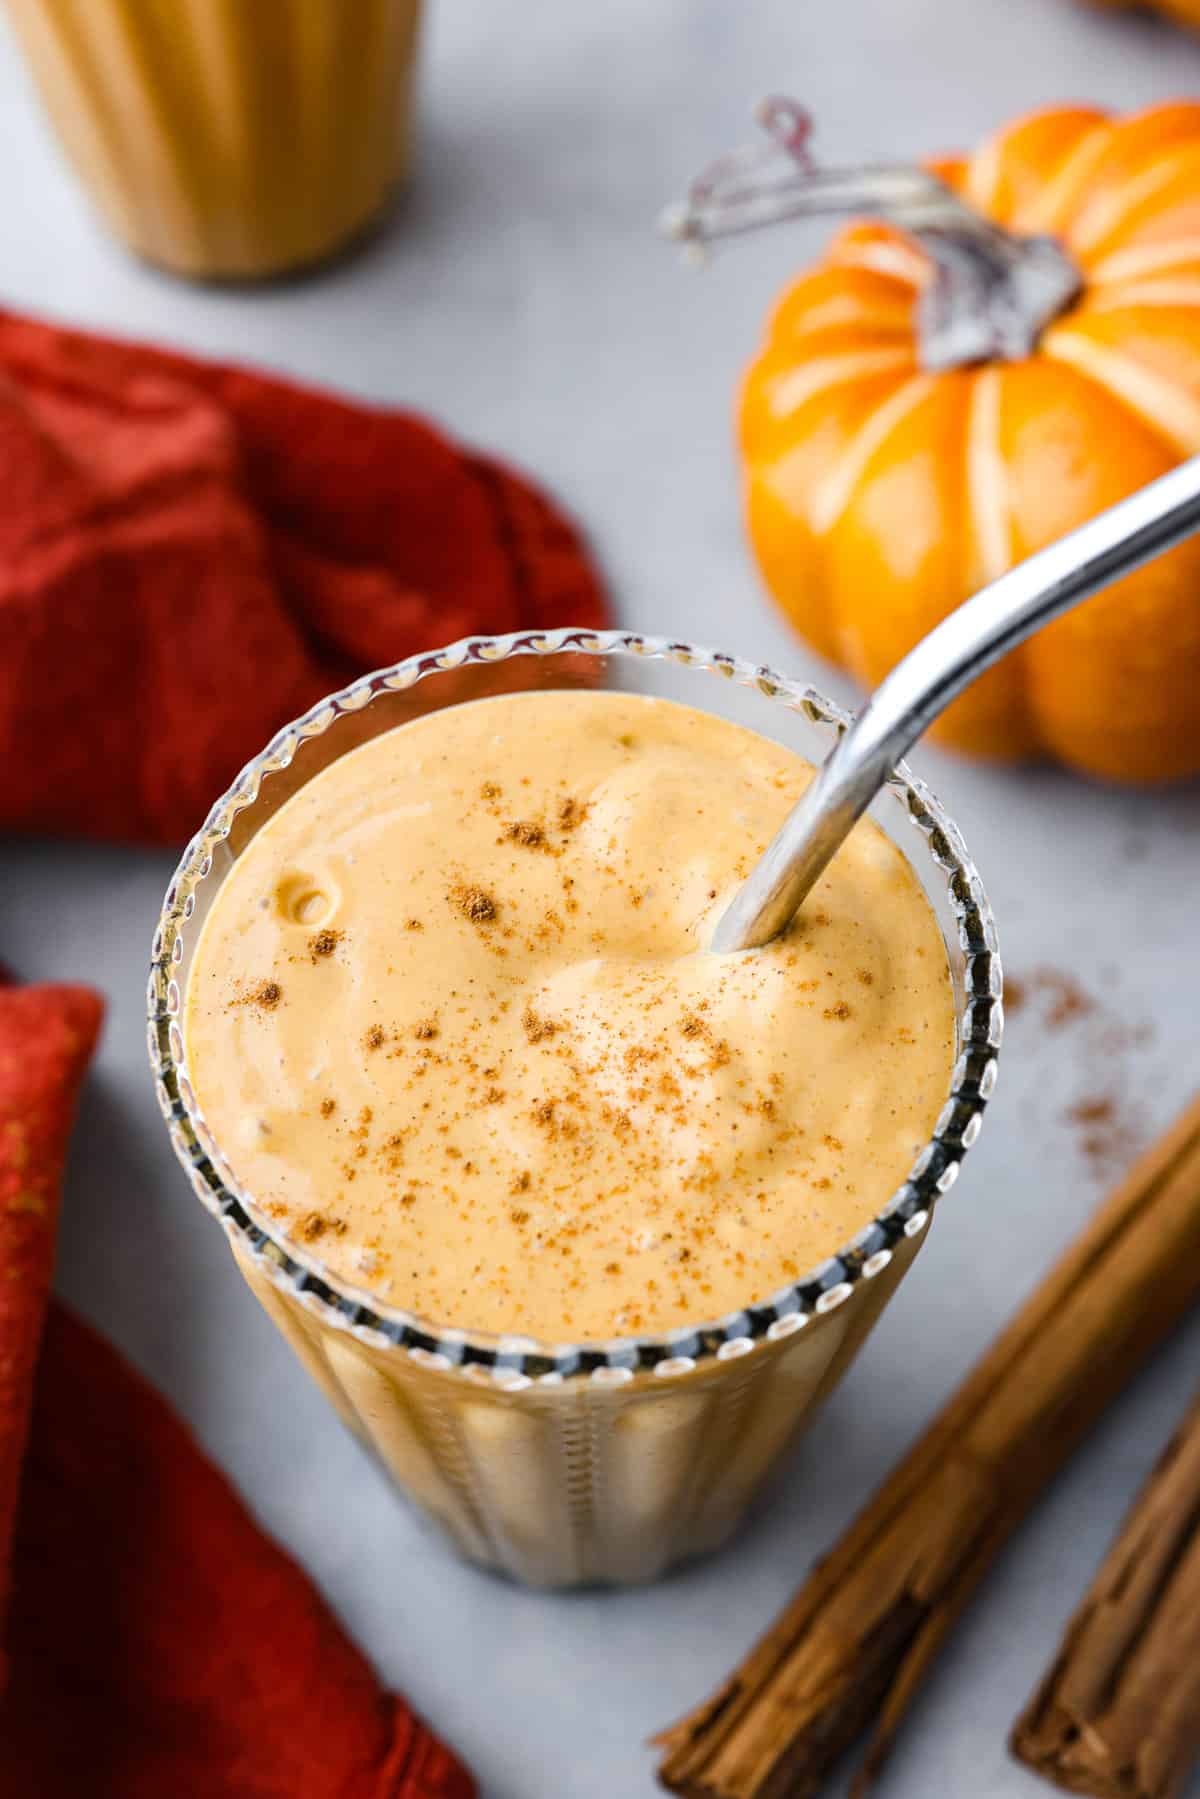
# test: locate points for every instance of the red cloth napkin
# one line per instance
(159, 1646)
(47, 1035)
(192, 554)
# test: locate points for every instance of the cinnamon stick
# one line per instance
(1118, 1714)
(849, 1652)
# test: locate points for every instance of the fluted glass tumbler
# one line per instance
(566, 1463)
(228, 141)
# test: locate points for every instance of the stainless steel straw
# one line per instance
(922, 685)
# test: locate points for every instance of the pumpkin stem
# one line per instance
(991, 295)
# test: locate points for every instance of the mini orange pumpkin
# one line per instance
(932, 405)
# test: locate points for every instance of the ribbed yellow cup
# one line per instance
(229, 138)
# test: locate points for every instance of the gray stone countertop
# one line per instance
(522, 298)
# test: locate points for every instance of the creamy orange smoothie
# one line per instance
(453, 1021)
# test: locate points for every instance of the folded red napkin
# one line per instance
(159, 1646)
(47, 1035)
(192, 554)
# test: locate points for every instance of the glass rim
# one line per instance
(517, 1359)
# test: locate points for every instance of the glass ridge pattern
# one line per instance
(514, 1362)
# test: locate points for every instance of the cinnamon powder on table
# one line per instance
(1106, 1117)
(1066, 999)
(1104, 1128)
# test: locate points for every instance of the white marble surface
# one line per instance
(523, 299)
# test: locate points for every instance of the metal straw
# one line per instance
(922, 685)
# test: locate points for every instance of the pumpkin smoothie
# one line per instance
(452, 1020)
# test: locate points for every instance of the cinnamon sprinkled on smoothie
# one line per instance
(536, 1028)
(266, 996)
(315, 1224)
(474, 903)
(564, 1119)
(524, 831)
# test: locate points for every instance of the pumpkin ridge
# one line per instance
(836, 491)
(1086, 232)
(987, 498)
(1159, 404)
(900, 258)
(1024, 154)
(1138, 260)
(981, 176)
(1063, 185)
(995, 717)
(874, 317)
(838, 296)
(823, 373)
(1183, 291)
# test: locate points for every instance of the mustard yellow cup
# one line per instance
(229, 139)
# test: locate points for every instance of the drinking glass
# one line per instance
(568, 1463)
(228, 140)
